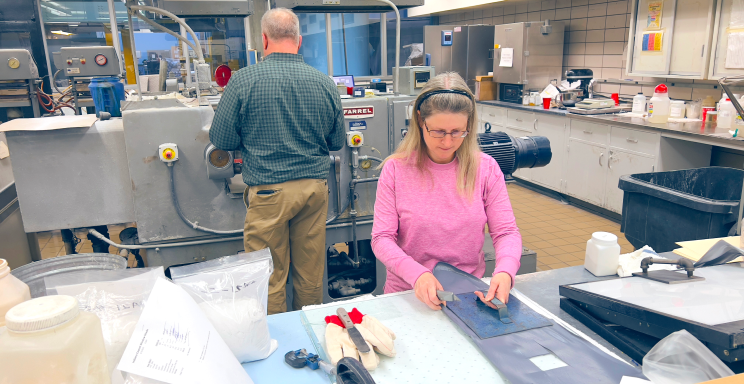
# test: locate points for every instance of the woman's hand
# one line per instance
(426, 290)
(500, 287)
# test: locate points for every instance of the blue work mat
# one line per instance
(485, 322)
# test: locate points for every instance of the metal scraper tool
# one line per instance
(501, 307)
(354, 333)
(447, 296)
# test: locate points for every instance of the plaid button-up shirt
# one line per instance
(284, 115)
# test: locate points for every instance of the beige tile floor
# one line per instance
(558, 232)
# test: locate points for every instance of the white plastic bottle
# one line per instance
(726, 114)
(12, 291)
(639, 103)
(49, 340)
(602, 254)
(659, 105)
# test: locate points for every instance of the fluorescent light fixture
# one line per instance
(62, 33)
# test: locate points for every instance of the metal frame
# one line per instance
(649, 321)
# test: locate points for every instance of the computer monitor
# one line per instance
(347, 80)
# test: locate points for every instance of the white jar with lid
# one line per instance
(602, 254)
(49, 340)
(12, 291)
(677, 109)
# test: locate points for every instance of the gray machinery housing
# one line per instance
(18, 72)
(200, 8)
(345, 6)
(414, 78)
(468, 51)
(87, 61)
(538, 54)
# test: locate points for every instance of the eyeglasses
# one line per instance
(440, 134)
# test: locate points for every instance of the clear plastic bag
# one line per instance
(680, 358)
(233, 292)
(119, 305)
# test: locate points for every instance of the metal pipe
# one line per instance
(115, 35)
(343, 33)
(166, 30)
(168, 245)
(177, 20)
(383, 44)
(344, 225)
(329, 44)
(374, 158)
(248, 37)
(353, 213)
(44, 39)
(187, 80)
(397, 44)
(134, 55)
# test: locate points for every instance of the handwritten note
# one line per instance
(507, 57)
(175, 343)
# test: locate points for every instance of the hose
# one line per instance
(177, 19)
(397, 43)
(338, 214)
(169, 245)
(194, 225)
(164, 29)
(54, 81)
(373, 158)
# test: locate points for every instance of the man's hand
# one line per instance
(500, 287)
(426, 290)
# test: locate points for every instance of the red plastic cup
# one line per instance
(546, 102)
(350, 91)
(616, 97)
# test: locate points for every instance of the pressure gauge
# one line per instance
(101, 60)
(14, 63)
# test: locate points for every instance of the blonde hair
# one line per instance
(413, 148)
(281, 23)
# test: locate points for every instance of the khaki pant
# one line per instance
(289, 218)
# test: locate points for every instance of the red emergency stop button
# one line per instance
(168, 154)
(356, 140)
(82, 61)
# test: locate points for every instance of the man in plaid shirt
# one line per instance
(285, 116)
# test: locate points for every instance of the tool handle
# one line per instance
(327, 367)
(345, 318)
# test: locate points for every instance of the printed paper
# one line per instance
(654, 14)
(735, 51)
(652, 41)
(507, 57)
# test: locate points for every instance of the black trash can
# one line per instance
(662, 208)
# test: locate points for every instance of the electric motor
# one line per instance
(513, 153)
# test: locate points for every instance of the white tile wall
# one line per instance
(596, 38)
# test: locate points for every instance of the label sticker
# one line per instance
(359, 112)
(357, 125)
(458, 29)
(73, 70)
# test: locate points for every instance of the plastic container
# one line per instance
(602, 254)
(677, 109)
(726, 114)
(639, 103)
(711, 117)
(659, 105)
(662, 208)
(546, 102)
(107, 93)
(12, 291)
(709, 102)
(48, 340)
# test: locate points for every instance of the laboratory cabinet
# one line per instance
(554, 128)
(727, 57)
(671, 38)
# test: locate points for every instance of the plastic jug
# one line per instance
(12, 291)
(48, 340)
(726, 114)
(107, 93)
(659, 105)
(602, 254)
(639, 103)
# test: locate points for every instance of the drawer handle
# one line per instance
(492, 114)
(600, 158)
(588, 132)
(609, 161)
(631, 140)
(519, 120)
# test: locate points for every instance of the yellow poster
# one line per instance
(654, 14)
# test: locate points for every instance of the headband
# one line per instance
(440, 91)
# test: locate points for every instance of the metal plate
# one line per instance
(485, 322)
(668, 277)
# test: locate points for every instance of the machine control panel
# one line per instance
(17, 64)
(168, 152)
(446, 38)
(87, 61)
(354, 139)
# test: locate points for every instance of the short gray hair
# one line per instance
(281, 23)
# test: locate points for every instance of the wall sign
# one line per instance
(357, 125)
(359, 112)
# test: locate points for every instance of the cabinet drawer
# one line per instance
(635, 140)
(523, 121)
(592, 132)
(493, 115)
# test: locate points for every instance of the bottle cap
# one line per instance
(41, 313)
(640, 93)
(604, 237)
(661, 88)
(4, 269)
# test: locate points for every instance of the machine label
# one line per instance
(357, 125)
(73, 71)
(359, 112)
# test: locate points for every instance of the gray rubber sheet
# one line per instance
(511, 353)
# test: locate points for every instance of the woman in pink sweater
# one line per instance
(435, 195)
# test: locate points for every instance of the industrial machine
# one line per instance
(527, 55)
(465, 49)
(412, 79)
(201, 8)
(18, 76)
(345, 6)
(585, 76)
(81, 64)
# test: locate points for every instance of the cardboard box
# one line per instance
(735, 379)
(485, 88)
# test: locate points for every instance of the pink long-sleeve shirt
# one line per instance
(421, 219)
